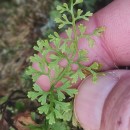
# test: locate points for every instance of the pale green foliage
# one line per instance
(53, 103)
(64, 20)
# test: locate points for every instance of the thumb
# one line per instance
(96, 104)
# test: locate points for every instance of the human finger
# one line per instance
(104, 105)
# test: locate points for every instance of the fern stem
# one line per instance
(51, 98)
(74, 28)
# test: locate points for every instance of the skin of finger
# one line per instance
(43, 81)
(91, 97)
(116, 110)
(113, 48)
(115, 41)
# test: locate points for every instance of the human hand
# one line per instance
(111, 50)
(106, 104)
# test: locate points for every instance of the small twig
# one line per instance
(5, 104)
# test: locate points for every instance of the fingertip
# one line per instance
(44, 82)
(90, 99)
